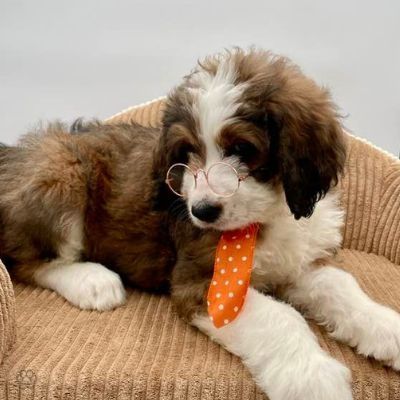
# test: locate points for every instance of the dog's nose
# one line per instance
(206, 212)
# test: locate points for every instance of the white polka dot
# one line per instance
(226, 321)
(211, 318)
(238, 246)
(224, 247)
(208, 303)
(233, 237)
(236, 309)
(226, 283)
(214, 283)
(247, 236)
(240, 282)
(230, 294)
(230, 258)
(235, 269)
(221, 307)
(218, 295)
(217, 259)
(244, 258)
(222, 271)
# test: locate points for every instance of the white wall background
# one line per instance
(64, 59)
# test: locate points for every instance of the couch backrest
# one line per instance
(371, 197)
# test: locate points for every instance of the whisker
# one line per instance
(178, 210)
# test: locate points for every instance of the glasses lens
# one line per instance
(179, 176)
(223, 179)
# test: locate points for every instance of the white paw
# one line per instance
(86, 285)
(377, 335)
(99, 289)
(318, 378)
(332, 381)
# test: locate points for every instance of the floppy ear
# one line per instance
(169, 151)
(311, 150)
(163, 196)
(172, 147)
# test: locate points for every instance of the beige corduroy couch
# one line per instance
(51, 350)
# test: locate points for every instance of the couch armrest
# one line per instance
(7, 313)
(371, 198)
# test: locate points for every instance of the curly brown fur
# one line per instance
(52, 180)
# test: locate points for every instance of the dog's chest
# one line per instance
(286, 247)
(278, 255)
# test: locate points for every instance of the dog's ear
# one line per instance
(162, 196)
(173, 147)
(310, 144)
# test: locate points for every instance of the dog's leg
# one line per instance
(281, 352)
(84, 284)
(333, 297)
(43, 209)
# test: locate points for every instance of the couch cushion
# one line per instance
(144, 351)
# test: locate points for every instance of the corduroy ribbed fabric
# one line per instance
(144, 351)
(371, 198)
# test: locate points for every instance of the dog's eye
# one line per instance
(244, 150)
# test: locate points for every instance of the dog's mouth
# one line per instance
(207, 214)
(221, 224)
(206, 225)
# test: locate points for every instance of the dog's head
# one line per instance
(258, 113)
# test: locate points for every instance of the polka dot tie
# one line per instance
(232, 271)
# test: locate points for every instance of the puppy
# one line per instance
(81, 211)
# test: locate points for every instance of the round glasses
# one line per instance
(222, 178)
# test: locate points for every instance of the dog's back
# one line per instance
(61, 192)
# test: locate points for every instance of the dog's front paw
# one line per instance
(379, 336)
(317, 378)
(329, 380)
(99, 289)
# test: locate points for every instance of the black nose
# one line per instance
(207, 212)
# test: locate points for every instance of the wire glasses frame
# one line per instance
(175, 174)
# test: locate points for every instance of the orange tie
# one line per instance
(232, 271)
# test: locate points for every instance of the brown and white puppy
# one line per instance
(74, 205)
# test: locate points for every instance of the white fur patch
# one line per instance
(289, 246)
(216, 99)
(84, 284)
(281, 352)
(70, 250)
(334, 298)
